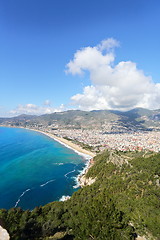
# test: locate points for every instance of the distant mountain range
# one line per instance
(135, 119)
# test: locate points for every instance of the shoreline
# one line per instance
(80, 151)
(61, 140)
(66, 143)
(80, 178)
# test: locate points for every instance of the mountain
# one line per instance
(135, 119)
(22, 118)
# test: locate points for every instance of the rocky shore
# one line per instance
(82, 180)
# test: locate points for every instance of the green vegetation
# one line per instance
(123, 201)
(81, 144)
(84, 145)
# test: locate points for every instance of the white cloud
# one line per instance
(108, 44)
(35, 110)
(47, 102)
(122, 86)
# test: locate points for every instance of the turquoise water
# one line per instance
(35, 169)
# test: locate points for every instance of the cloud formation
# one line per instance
(119, 86)
(47, 102)
(33, 109)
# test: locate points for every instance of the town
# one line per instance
(100, 141)
(97, 131)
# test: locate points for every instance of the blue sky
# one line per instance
(38, 38)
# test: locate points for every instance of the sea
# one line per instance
(35, 169)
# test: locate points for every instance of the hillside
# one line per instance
(122, 203)
(136, 119)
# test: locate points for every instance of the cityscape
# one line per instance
(97, 132)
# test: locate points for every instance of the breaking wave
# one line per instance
(42, 185)
(27, 190)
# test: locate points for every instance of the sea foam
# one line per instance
(44, 184)
(64, 198)
(27, 190)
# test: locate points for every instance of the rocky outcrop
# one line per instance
(116, 159)
(141, 238)
(83, 181)
(4, 234)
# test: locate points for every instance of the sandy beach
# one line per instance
(80, 179)
(72, 145)
(61, 140)
(66, 143)
(87, 154)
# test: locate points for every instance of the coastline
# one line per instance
(61, 140)
(66, 142)
(80, 178)
(73, 146)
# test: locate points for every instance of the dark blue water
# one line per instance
(35, 169)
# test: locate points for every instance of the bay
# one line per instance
(35, 169)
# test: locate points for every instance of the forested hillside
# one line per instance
(122, 203)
